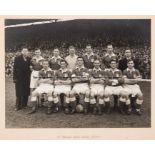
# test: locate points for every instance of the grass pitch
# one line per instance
(21, 119)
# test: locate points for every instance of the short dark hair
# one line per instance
(55, 48)
(36, 49)
(130, 60)
(113, 60)
(80, 58)
(109, 44)
(88, 45)
(44, 60)
(71, 46)
(24, 47)
(63, 61)
(97, 60)
(128, 49)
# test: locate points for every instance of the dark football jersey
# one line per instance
(107, 58)
(43, 74)
(79, 72)
(55, 63)
(114, 74)
(97, 73)
(131, 74)
(62, 74)
(89, 60)
(36, 63)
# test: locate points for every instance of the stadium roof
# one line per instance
(28, 22)
(22, 21)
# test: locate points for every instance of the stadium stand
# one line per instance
(121, 33)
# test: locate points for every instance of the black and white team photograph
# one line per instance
(77, 73)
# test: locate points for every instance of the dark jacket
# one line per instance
(123, 64)
(21, 76)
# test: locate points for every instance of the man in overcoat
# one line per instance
(21, 78)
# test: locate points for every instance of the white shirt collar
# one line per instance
(53, 57)
(91, 54)
(131, 70)
(38, 58)
(112, 54)
(72, 56)
(128, 58)
(80, 68)
(49, 69)
(113, 70)
(63, 70)
(94, 69)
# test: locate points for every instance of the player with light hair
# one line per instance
(132, 76)
(80, 79)
(45, 85)
(71, 58)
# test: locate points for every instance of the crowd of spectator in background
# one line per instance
(142, 54)
(120, 33)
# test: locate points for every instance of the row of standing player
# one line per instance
(97, 94)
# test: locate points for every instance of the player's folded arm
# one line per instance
(129, 81)
(121, 80)
(66, 82)
(96, 81)
(92, 80)
(51, 81)
(75, 79)
(109, 81)
(57, 81)
(85, 77)
(43, 81)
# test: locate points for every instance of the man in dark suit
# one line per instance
(128, 56)
(21, 78)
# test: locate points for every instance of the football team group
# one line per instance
(85, 84)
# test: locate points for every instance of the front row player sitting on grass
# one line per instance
(97, 80)
(80, 79)
(45, 85)
(63, 86)
(114, 87)
(132, 76)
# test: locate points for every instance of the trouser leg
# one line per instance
(24, 101)
(18, 103)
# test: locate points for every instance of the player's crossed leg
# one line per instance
(97, 98)
(47, 89)
(136, 97)
(123, 98)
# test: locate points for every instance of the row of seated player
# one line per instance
(94, 87)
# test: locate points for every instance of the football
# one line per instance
(79, 108)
